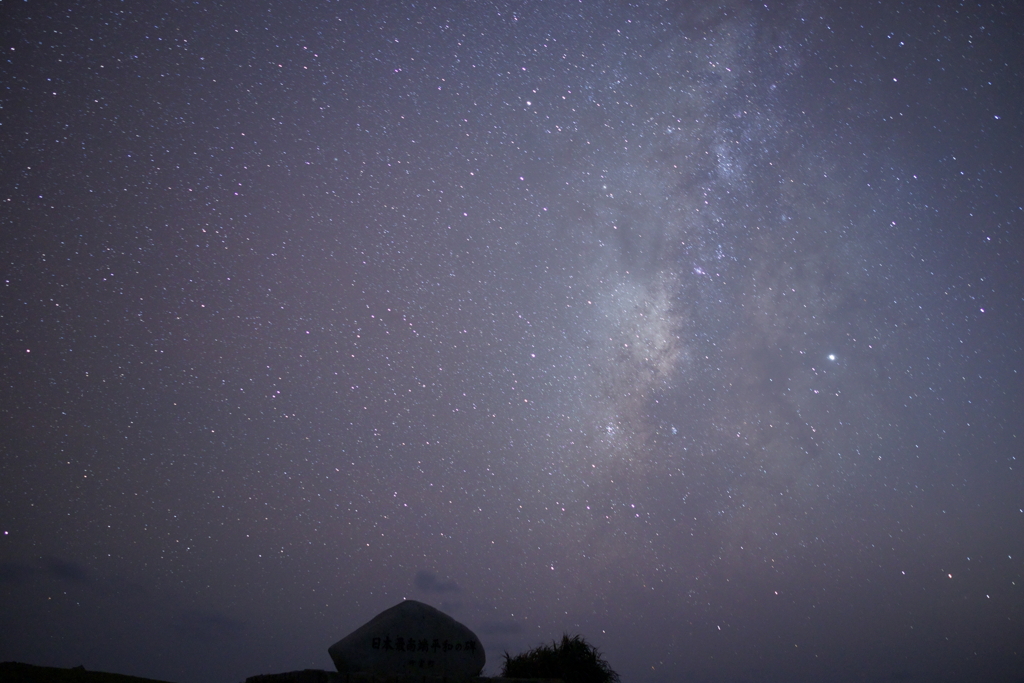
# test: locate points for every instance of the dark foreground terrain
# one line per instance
(16, 672)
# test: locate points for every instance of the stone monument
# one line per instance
(411, 638)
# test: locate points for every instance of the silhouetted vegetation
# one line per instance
(574, 660)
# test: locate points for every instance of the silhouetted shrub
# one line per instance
(574, 660)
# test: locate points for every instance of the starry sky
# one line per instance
(691, 327)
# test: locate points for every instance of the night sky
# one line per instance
(694, 328)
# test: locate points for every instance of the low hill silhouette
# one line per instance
(16, 672)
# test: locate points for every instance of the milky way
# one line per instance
(692, 328)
